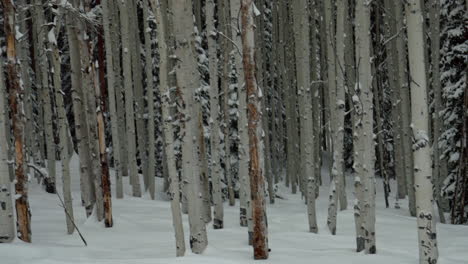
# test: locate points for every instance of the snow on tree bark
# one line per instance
(302, 53)
(164, 90)
(23, 213)
(419, 122)
(188, 81)
(218, 212)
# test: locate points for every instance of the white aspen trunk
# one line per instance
(333, 113)
(364, 144)
(151, 162)
(164, 90)
(419, 122)
(302, 53)
(14, 84)
(188, 81)
(218, 212)
(81, 132)
(405, 109)
(7, 228)
(62, 124)
(242, 122)
(45, 96)
(111, 88)
(129, 110)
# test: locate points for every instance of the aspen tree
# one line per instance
(128, 88)
(218, 212)
(167, 128)
(62, 122)
(364, 137)
(419, 123)
(302, 53)
(188, 81)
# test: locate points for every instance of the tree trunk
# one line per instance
(302, 53)
(23, 213)
(422, 152)
(260, 241)
(39, 20)
(405, 109)
(113, 92)
(7, 229)
(188, 81)
(128, 88)
(62, 125)
(81, 131)
(164, 90)
(217, 194)
(364, 136)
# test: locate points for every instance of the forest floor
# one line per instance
(143, 233)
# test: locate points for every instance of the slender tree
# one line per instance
(14, 84)
(421, 149)
(260, 241)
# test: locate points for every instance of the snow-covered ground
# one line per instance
(143, 234)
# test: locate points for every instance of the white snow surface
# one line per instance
(143, 233)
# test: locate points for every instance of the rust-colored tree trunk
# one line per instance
(23, 214)
(260, 241)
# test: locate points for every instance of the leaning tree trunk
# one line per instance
(302, 53)
(260, 241)
(164, 90)
(188, 81)
(421, 149)
(62, 125)
(23, 214)
(364, 136)
(7, 229)
(218, 212)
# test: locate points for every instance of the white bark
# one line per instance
(81, 132)
(218, 212)
(63, 127)
(7, 228)
(188, 81)
(302, 53)
(167, 129)
(422, 152)
(129, 110)
(364, 136)
(111, 88)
